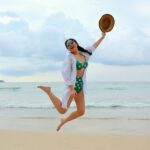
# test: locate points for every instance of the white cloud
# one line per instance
(96, 72)
(27, 66)
(101, 72)
(7, 17)
(129, 48)
(49, 76)
(17, 40)
(24, 51)
(143, 8)
(35, 30)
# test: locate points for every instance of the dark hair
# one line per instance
(81, 49)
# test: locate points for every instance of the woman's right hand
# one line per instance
(73, 92)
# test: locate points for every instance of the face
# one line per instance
(71, 46)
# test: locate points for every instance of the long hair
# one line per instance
(81, 49)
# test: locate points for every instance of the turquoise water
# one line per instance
(99, 95)
(103, 99)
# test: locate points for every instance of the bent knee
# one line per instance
(63, 111)
(81, 112)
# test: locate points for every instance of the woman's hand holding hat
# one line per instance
(103, 34)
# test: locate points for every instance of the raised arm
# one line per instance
(96, 44)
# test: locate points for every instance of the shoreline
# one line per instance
(82, 125)
(98, 129)
(116, 121)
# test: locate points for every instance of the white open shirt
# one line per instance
(69, 74)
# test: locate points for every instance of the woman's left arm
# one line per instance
(96, 44)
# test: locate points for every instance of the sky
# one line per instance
(32, 35)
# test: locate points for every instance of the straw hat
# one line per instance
(106, 23)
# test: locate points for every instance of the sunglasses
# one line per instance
(69, 42)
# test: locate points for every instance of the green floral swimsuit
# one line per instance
(79, 81)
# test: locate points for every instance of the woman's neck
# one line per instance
(75, 53)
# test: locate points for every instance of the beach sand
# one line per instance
(18, 131)
(46, 140)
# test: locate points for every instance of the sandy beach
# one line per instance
(119, 120)
(39, 140)
(80, 134)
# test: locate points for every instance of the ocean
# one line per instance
(111, 106)
(110, 95)
(99, 95)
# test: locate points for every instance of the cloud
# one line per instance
(15, 66)
(24, 51)
(106, 72)
(8, 14)
(125, 47)
(142, 8)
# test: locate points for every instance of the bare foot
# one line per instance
(61, 124)
(45, 88)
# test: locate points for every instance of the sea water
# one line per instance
(103, 99)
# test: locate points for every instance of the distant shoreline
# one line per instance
(2, 81)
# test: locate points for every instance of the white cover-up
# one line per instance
(69, 74)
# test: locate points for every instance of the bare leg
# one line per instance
(55, 100)
(80, 103)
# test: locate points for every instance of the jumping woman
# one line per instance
(74, 75)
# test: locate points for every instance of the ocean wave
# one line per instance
(117, 106)
(27, 107)
(10, 88)
(89, 118)
(115, 118)
(87, 106)
(115, 88)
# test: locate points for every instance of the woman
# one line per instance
(74, 74)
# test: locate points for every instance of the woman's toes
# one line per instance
(61, 124)
(45, 88)
(38, 86)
